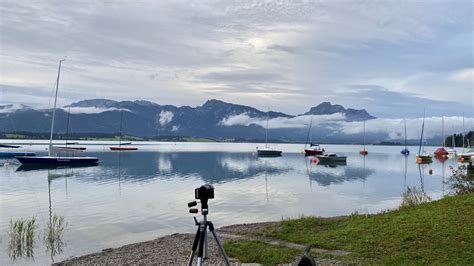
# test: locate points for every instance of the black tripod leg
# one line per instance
(219, 244)
(195, 244)
(202, 238)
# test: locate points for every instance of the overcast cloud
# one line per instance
(392, 58)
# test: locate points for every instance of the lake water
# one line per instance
(138, 196)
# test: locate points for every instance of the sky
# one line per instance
(392, 58)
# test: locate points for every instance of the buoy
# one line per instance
(314, 161)
(431, 171)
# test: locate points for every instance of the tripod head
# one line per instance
(203, 193)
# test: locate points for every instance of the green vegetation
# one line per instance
(22, 236)
(53, 237)
(461, 181)
(458, 139)
(438, 232)
(255, 251)
(413, 197)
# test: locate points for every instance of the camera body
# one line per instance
(204, 192)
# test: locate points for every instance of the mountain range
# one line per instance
(215, 119)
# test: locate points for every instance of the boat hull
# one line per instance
(123, 148)
(15, 154)
(268, 153)
(405, 152)
(70, 148)
(309, 152)
(363, 152)
(328, 160)
(51, 160)
(422, 159)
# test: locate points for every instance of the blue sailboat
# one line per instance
(405, 151)
(53, 160)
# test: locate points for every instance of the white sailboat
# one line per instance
(54, 159)
(422, 157)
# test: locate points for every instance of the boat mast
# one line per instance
(67, 128)
(309, 132)
(422, 129)
(405, 123)
(121, 122)
(463, 132)
(54, 109)
(442, 130)
(364, 136)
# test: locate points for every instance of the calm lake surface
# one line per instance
(138, 196)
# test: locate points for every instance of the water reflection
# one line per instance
(53, 235)
(333, 173)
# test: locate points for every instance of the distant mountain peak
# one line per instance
(326, 108)
(98, 103)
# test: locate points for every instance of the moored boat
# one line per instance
(267, 151)
(50, 159)
(364, 151)
(121, 144)
(56, 160)
(422, 157)
(331, 157)
(405, 151)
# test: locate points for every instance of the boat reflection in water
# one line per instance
(329, 173)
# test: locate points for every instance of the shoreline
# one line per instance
(176, 248)
(169, 249)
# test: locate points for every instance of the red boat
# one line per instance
(363, 152)
(441, 152)
(313, 149)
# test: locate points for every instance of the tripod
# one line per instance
(200, 240)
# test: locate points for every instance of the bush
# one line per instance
(460, 181)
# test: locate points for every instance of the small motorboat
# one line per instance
(422, 159)
(68, 148)
(331, 157)
(441, 152)
(120, 148)
(268, 152)
(313, 149)
(405, 152)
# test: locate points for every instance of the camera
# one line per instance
(204, 192)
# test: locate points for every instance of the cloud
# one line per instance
(464, 75)
(165, 117)
(290, 54)
(280, 122)
(91, 110)
(392, 128)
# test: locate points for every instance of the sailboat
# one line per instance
(465, 157)
(67, 147)
(363, 151)
(267, 151)
(421, 157)
(313, 149)
(451, 151)
(405, 151)
(12, 154)
(441, 152)
(121, 144)
(51, 159)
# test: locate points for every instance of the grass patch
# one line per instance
(258, 252)
(22, 237)
(53, 236)
(439, 232)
